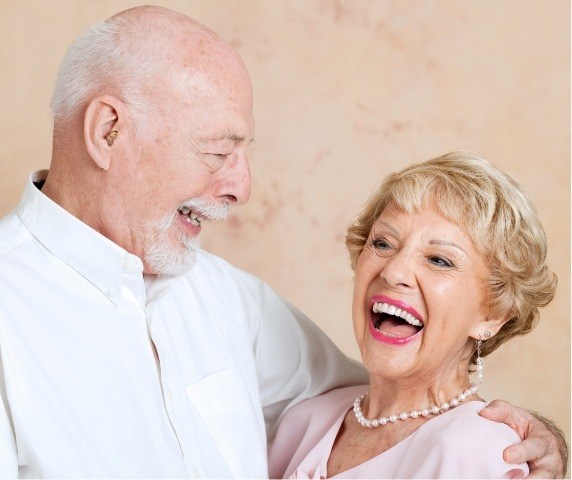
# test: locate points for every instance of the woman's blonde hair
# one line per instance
(493, 210)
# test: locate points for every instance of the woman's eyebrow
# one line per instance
(390, 227)
(447, 243)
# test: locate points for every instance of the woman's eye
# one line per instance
(440, 261)
(380, 243)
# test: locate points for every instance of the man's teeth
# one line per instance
(190, 216)
(393, 310)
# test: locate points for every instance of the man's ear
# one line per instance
(104, 124)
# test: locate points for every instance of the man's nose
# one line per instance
(234, 181)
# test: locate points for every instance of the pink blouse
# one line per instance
(455, 444)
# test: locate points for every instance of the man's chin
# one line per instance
(168, 261)
(175, 270)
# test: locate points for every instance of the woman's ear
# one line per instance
(105, 122)
(489, 327)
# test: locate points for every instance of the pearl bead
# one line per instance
(479, 368)
(426, 412)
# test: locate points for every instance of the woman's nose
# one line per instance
(399, 270)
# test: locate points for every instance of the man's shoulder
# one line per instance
(209, 264)
(210, 260)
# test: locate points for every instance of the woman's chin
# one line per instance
(390, 362)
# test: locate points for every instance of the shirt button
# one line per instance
(169, 394)
(111, 292)
(196, 472)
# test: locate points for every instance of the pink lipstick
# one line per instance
(394, 331)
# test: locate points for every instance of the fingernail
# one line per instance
(510, 457)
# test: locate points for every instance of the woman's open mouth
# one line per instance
(392, 324)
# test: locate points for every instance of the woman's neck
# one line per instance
(392, 396)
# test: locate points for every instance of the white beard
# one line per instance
(168, 256)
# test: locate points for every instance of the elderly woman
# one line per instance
(449, 260)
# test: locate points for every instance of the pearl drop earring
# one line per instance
(480, 367)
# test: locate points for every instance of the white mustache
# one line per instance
(208, 210)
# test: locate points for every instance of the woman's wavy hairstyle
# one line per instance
(493, 210)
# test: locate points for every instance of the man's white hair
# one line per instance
(114, 56)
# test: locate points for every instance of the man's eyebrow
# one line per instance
(232, 137)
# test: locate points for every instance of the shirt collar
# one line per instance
(91, 254)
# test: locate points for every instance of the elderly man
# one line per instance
(126, 351)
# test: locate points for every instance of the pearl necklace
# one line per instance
(434, 410)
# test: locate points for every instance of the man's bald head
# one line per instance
(152, 122)
(138, 52)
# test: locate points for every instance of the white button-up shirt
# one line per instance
(107, 373)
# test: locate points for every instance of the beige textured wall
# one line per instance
(345, 92)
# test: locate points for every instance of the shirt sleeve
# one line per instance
(295, 359)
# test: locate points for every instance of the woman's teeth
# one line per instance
(397, 312)
(190, 216)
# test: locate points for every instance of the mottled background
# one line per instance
(346, 91)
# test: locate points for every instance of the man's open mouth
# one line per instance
(393, 321)
(190, 216)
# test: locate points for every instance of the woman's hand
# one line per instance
(543, 447)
